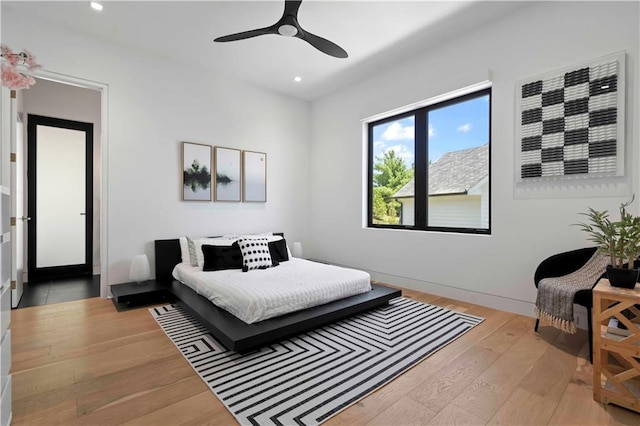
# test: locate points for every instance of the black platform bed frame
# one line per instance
(239, 336)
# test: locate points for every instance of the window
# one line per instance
(429, 168)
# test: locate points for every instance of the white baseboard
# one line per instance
(496, 302)
(491, 301)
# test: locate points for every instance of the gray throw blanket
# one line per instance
(555, 295)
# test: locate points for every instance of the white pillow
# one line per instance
(264, 234)
(184, 250)
(255, 254)
(252, 236)
(269, 237)
(191, 246)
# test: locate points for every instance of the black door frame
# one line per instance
(39, 274)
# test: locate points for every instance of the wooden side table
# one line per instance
(616, 361)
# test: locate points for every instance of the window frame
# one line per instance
(421, 155)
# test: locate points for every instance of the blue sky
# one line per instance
(451, 128)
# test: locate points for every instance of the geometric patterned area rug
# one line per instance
(309, 378)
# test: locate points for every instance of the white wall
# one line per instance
(485, 200)
(408, 210)
(153, 105)
(52, 99)
(460, 211)
(495, 270)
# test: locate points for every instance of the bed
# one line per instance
(240, 336)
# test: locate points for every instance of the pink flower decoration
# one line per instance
(5, 50)
(13, 79)
(13, 59)
(11, 76)
(30, 60)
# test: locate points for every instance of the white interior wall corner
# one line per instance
(524, 231)
(154, 104)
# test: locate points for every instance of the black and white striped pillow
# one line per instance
(255, 254)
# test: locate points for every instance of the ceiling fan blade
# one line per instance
(247, 34)
(323, 45)
(291, 7)
(288, 26)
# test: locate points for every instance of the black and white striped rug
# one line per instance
(309, 378)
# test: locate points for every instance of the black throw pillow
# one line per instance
(217, 258)
(278, 250)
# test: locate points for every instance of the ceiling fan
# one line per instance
(288, 26)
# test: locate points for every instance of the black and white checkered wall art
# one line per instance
(569, 122)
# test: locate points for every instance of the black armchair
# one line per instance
(565, 263)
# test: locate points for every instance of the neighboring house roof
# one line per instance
(406, 191)
(454, 173)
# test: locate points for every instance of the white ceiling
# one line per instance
(376, 34)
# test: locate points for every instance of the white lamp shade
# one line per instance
(296, 250)
(139, 270)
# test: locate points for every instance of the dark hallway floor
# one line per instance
(60, 290)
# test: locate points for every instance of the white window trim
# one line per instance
(433, 100)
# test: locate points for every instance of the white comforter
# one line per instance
(260, 294)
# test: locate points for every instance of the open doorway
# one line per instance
(62, 125)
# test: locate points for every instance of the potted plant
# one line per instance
(620, 240)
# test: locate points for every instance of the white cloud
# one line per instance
(431, 130)
(464, 128)
(397, 131)
(403, 152)
(378, 145)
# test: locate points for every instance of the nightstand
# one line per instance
(616, 351)
(133, 295)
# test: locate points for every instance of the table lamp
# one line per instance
(296, 250)
(139, 270)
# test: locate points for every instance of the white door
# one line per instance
(17, 205)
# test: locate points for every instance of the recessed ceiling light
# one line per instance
(97, 6)
(297, 79)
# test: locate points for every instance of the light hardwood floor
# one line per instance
(83, 362)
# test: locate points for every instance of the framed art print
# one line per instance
(196, 172)
(254, 169)
(570, 122)
(227, 174)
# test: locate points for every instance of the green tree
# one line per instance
(385, 208)
(391, 172)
